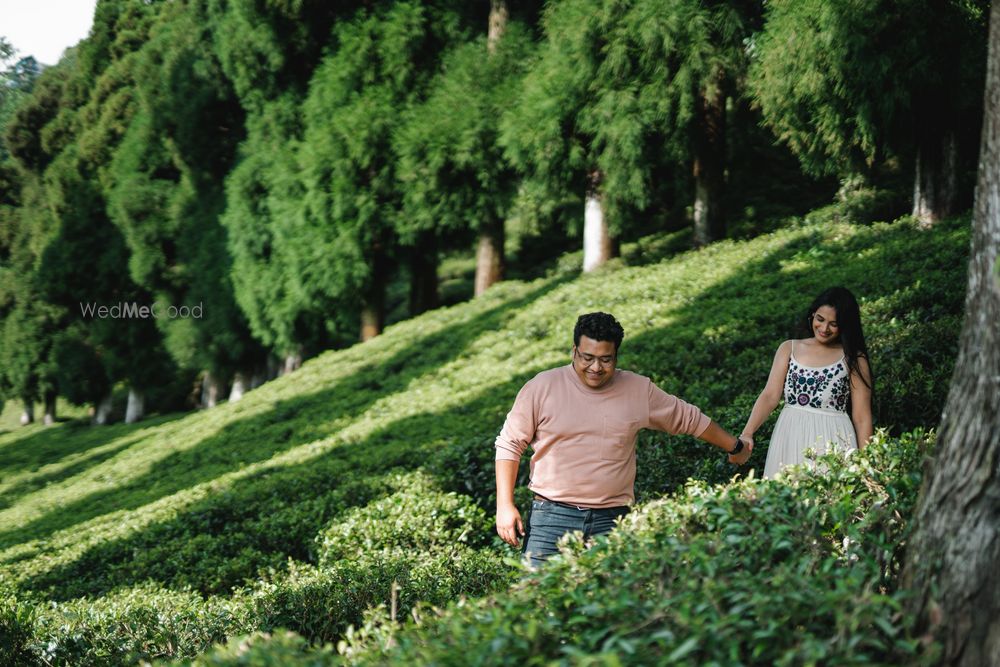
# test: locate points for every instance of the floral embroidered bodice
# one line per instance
(826, 387)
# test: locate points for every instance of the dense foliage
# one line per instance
(709, 576)
(284, 510)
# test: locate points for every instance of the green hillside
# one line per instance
(299, 506)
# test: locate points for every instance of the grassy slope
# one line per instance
(214, 499)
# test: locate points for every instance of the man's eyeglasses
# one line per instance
(589, 359)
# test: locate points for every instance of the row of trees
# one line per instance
(275, 163)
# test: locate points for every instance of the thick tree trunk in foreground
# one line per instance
(953, 558)
(102, 413)
(136, 407)
(709, 169)
(935, 190)
(598, 247)
(28, 413)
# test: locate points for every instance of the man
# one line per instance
(581, 421)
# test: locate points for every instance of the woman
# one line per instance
(822, 378)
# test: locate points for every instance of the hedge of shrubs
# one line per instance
(281, 511)
(380, 563)
(801, 570)
(789, 572)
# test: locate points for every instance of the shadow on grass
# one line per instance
(289, 424)
(63, 451)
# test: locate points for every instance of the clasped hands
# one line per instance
(744, 455)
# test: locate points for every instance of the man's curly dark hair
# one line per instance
(599, 327)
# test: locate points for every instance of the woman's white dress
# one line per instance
(814, 415)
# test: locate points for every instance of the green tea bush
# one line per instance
(798, 570)
(320, 603)
(136, 624)
(262, 649)
(16, 630)
(412, 546)
(417, 517)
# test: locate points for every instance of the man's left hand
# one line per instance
(744, 455)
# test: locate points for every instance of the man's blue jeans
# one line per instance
(549, 521)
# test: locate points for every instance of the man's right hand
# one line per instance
(509, 525)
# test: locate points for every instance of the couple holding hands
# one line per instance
(581, 422)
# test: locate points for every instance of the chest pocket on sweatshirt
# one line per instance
(618, 437)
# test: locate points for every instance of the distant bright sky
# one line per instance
(44, 28)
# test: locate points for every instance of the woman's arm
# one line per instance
(771, 396)
(861, 402)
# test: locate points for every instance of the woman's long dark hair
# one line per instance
(852, 337)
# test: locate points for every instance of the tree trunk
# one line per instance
(211, 387)
(262, 372)
(102, 413)
(239, 387)
(953, 558)
(136, 407)
(373, 301)
(934, 187)
(292, 362)
(423, 274)
(28, 414)
(490, 249)
(598, 247)
(50, 409)
(489, 255)
(497, 25)
(709, 168)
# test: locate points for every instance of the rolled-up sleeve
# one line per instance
(519, 428)
(671, 414)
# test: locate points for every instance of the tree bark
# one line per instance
(292, 362)
(424, 274)
(934, 186)
(136, 407)
(709, 168)
(490, 249)
(489, 255)
(598, 246)
(102, 412)
(211, 387)
(953, 558)
(497, 24)
(28, 413)
(50, 409)
(239, 387)
(373, 301)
